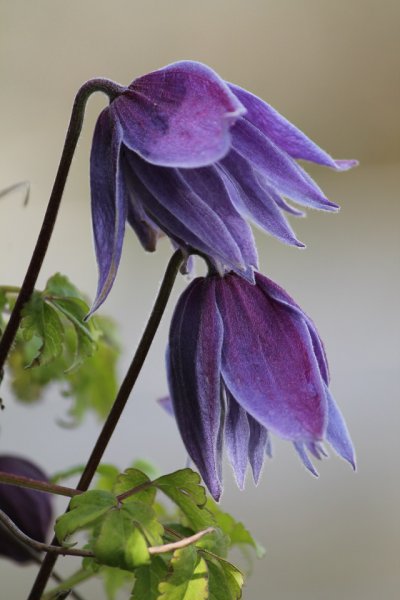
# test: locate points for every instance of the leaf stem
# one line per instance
(111, 89)
(34, 484)
(119, 404)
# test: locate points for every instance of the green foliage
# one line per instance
(55, 343)
(125, 525)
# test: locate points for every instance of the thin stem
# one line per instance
(182, 543)
(111, 89)
(67, 584)
(34, 484)
(135, 490)
(119, 404)
(35, 557)
(39, 546)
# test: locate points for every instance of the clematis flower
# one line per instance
(29, 509)
(244, 362)
(183, 153)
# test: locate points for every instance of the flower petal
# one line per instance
(337, 433)
(268, 362)
(207, 183)
(280, 295)
(109, 206)
(183, 214)
(283, 133)
(259, 445)
(237, 435)
(255, 200)
(193, 364)
(178, 116)
(281, 171)
(301, 451)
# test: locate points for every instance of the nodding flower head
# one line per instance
(181, 152)
(29, 509)
(244, 361)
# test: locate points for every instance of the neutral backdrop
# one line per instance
(333, 69)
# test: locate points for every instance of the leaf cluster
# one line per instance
(56, 344)
(125, 522)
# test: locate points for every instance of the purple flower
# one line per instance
(30, 510)
(183, 153)
(245, 361)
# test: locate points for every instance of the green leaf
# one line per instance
(189, 579)
(148, 578)
(60, 285)
(184, 489)
(225, 580)
(84, 511)
(236, 531)
(120, 543)
(144, 516)
(114, 579)
(42, 321)
(132, 478)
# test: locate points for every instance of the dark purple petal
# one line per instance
(337, 433)
(184, 215)
(109, 209)
(268, 362)
(280, 170)
(259, 445)
(301, 451)
(280, 295)
(208, 184)
(237, 436)
(30, 510)
(254, 199)
(285, 135)
(193, 364)
(178, 116)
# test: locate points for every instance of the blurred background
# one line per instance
(333, 69)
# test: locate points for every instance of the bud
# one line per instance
(29, 509)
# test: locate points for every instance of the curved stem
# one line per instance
(111, 89)
(119, 404)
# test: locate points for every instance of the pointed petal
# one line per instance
(268, 362)
(166, 403)
(280, 170)
(237, 435)
(254, 199)
(337, 433)
(109, 207)
(283, 133)
(208, 184)
(287, 207)
(178, 116)
(280, 295)
(316, 449)
(259, 445)
(301, 451)
(177, 209)
(193, 364)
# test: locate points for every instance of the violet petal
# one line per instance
(283, 133)
(268, 362)
(178, 116)
(109, 206)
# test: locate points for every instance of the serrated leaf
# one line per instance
(184, 489)
(120, 543)
(225, 580)
(143, 516)
(130, 479)
(236, 531)
(42, 321)
(60, 285)
(84, 511)
(75, 309)
(148, 578)
(189, 579)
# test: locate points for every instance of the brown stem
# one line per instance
(34, 484)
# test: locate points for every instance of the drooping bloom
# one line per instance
(29, 509)
(245, 361)
(183, 153)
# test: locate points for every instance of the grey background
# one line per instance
(331, 68)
